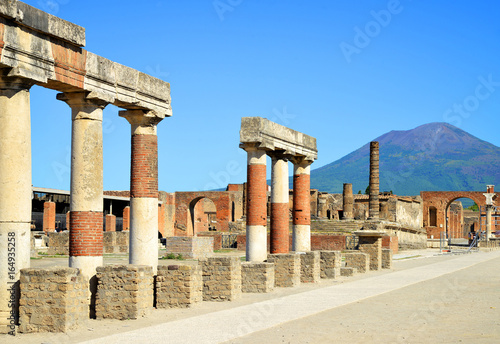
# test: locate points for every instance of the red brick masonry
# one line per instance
(144, 166)
(279, 227)
(257, 195)
(86, 238)
(301, 199)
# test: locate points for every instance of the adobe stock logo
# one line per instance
(363, 36)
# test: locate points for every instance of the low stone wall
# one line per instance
(217, 236)
(190, 247)
(286, 269)
(319, 242)
(347, 271)
(116, 242)
(52, 300)
(372, 245)
(257, 277)
(58, 243)
(386, 258)
(221, 278)
(124, 291)
(178, 286)
(358, 260)
(310, 271)
(391, 242)
(330, 263)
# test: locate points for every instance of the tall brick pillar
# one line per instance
(110, 223)
(374, 181)
(143, 188)
(301, 205)
(15, 192)
(256, 210)
(49, 216)
(348, 213)
(126, 218)
(490, 193)
(279, 204)
(86, 205)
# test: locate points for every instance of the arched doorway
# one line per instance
(201, 216)
(462, 218)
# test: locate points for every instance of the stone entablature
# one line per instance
(48, 50)
(275, 137)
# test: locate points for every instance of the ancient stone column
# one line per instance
(126, 218)
(15, 193)
(256, 238)
(143, 188)
(86, 205)
(374, 181)
(301, 205)
(280, 234)
(348, 198)
(488, 222)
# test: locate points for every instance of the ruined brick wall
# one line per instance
(409, 212)
(319, 242)
(124, 291)
(113, 242)
(52, 300)
(178, 286)
(58, 243)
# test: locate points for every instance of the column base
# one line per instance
(256, 243)
(86, 264)
(301, 238)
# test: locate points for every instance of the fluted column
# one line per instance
(143, 188)
(256, 231)
(374, 181)
(279, 204)
(86, 204)
(348, 201)
(15, 193)
(301, 205)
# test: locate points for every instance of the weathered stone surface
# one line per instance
(358, 260)
(190, 247)
(53, 300)
(124, 291)
(221, 278)
(179, 286)
(286, 269)
(386, 258)
(272, 136)
(370, 242)
(330, 264)
(257, 277)
(310, 267)
(347, 272)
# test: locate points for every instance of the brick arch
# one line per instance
(441, 200)
(193, 227)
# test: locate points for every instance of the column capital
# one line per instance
(143, 122)
(301, 161)
(11, 81)
(251, 147)
(279, 155)
(84, 104)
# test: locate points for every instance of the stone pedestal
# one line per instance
(347, 272)
(287, 268)
(301, 205)
(370, 242)
(257, 277)
(53, 300)
(330, 263)
(178, 286)
(358, 260)
(386, 258)
(310, 271)
(124, 291)
(221, 278)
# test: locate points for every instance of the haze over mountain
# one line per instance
(432, 157)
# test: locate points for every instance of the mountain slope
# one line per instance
(432, 157)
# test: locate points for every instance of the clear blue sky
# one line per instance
(344, 72)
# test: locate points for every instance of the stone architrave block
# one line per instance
(358, 260)
(286, 269)
(310, 271)
(52, 300)
(257, 277)
(221, 278)
(386, 258)
(330, 264)
(124, 291)
(178, 286)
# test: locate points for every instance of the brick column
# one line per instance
(126, 218)
(301, 205)
(86, 205)
(348, 213)
(15, 193)
(143, 188)
(256, 210)
(374, 181)
(279, 204)
(49, 217)
(110, 223)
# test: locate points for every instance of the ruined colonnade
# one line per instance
(40, 49)
(260, 137)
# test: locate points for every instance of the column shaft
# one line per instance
(301, 207)
(256, 231)
(143, 188)
(488, 222)
(348, 200)
(374, 181)
(280, 234)
(15, 194)
(86, 204)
